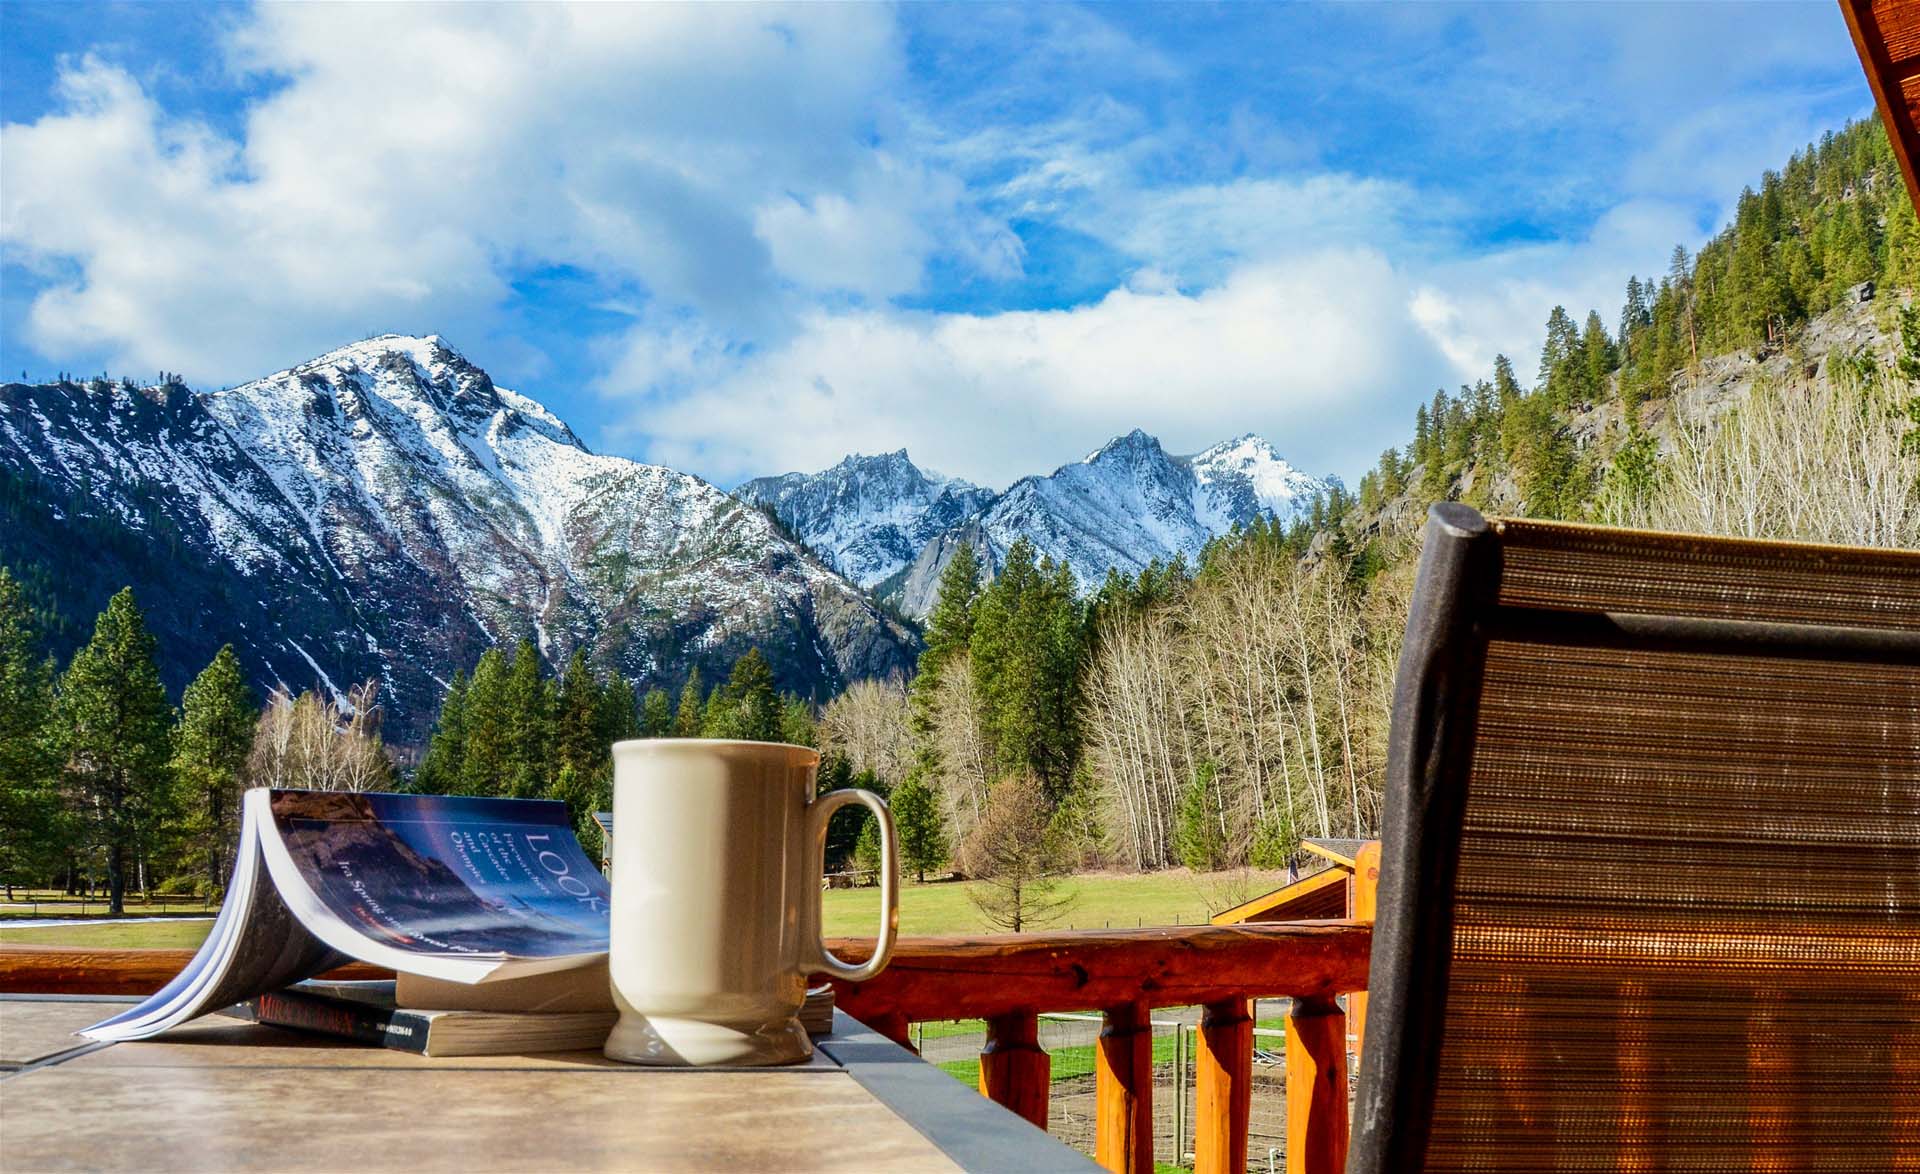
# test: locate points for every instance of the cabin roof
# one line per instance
(1322, 895)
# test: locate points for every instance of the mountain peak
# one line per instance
(1135, 442)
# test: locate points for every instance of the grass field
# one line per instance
(1099, 900)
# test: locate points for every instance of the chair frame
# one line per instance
(1455, 614)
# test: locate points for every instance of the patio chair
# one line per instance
(1650, 896)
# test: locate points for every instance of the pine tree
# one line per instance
(486, 767)
(920, 826)
(29, 802)
(579, 740)
(529, 713)
(1028, 648)
(950, 623)
(746, 706)
(843, 829)
(617, 720)
(686, 722)
(1597, 360)
(441, 767)
(117, 734)
(218, 712)
(1200, 839)
(656, 714)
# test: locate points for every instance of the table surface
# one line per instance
(225, 1094)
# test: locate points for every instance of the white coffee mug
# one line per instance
(718, 851)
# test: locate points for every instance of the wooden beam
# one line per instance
(1316, 1087)
(1078, 970)
(1014, 1070)
(70, 970)
(1886, 35)
(1223, 1078)
(1123, 1091)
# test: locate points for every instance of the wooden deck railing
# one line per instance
(1008, 981)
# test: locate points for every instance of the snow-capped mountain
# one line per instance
(889, 525)
(386, 510)
(868, 516)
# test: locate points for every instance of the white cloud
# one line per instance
(716, 158)
(1306, 352)
(759, 189)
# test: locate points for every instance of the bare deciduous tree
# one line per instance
(320, 743)
(1019, 885)
(1819, 460)
(964, 774)
(870, 724)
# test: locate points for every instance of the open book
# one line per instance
(456, 888)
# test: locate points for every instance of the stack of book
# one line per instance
(488, 910)
(563, 1011)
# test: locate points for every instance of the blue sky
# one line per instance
(741, 239)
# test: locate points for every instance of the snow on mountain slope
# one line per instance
(1125, 505)
(868, 516)
(889, 525)
(386, 510)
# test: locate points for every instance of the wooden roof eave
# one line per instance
(1305, 886)
(1886, 35)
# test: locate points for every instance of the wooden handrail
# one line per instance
(1123, 974)
(1009, 979)
(1094, 970)
(71, 970)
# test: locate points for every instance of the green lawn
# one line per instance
(1099, 900)
(156, 933)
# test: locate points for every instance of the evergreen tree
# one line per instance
(579, 739)
(486, 767)
(117, 734)
(29, 802)
(1597, 361)
(747, 705)
(797, 726)
(686, 722)
(617, 720)
(1560, 349)
(1200, 839)
(656, 714)
(1028, 648)
(218, 712)
(529, 715)
(920, 826)
(843, 828)
(950, 623)
(440, 770)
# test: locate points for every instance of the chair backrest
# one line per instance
(1650, 888)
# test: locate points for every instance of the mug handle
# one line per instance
(818, 812)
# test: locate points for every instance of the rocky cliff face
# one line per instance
(387, 511)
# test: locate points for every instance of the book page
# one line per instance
(424, 877)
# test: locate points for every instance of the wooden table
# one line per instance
(224, 1094)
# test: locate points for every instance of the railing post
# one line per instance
(1316, 1087)
(1014, 1071)
(1363, 906)
(1223, 1070)
(1123, 1091)
(895, 1028)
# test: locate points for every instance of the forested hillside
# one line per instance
(1213, 714)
